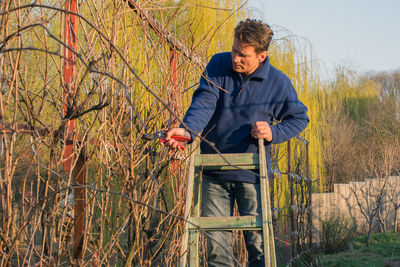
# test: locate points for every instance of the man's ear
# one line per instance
(262, 56)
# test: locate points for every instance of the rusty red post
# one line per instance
(173, 74)
(80, 171)
(174, 166)
(70, 26)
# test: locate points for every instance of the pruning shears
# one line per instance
(161, 136)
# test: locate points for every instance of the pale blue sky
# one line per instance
(362, 34)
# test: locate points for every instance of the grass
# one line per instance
(382, 247)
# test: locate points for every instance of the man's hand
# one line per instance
(261, 129)
(171, 142)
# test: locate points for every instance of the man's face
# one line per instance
(245, 60)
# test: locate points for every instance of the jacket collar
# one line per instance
(260, 72)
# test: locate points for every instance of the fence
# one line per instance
(374, 201)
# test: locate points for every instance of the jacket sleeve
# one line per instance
(290, 113)
(204, 100)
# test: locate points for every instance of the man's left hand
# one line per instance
(261, 129)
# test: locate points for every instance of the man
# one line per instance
(239, 97)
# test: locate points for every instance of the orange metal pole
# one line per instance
(70, 26)
(173, 73)
(174, 165)
(80, 171)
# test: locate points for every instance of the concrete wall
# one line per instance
(348, 198)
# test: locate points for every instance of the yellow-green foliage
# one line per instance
(352, 91)
(212, 23)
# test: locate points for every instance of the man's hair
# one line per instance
(254, 33)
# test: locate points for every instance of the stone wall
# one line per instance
(356, 198)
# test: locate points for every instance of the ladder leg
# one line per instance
(194, 238)
(188, 205)
(268, 233)
(194, 248)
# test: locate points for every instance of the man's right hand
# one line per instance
(171, 142)
(261, 129)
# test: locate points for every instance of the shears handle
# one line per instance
(181, 138)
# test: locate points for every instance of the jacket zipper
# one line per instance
(242, 85)
(244, 81)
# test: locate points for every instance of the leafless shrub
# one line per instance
(336, 233)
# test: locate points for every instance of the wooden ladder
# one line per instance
(248, 161)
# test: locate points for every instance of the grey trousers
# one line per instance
(218, 198)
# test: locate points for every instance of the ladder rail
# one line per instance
(268, 232)
(188, 206)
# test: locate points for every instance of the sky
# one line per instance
(361, 34)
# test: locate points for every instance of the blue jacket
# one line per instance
(225, 105)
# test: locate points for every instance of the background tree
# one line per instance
(340, 150)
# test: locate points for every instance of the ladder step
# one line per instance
(249, 161)
(227, 223)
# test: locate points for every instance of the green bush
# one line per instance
(336, 233)
(376, 238)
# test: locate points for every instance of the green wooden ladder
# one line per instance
(248, 161)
